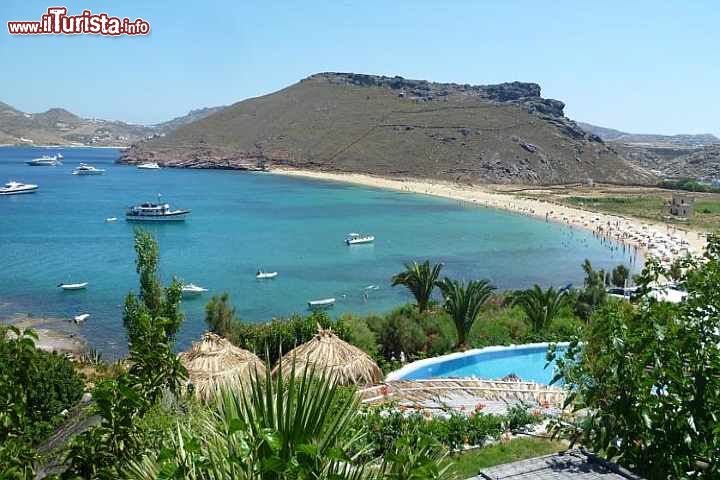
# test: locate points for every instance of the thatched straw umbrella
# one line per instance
(214, 362)
(347, 364)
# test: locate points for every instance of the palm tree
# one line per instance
(420, 279)
(464, 302)
(541, 306)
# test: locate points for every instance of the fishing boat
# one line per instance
(85, 169)
(265, 275)
(81, 318)
(73, 286)
(44, 161)
(155, 212)
(192, 289)
(149, 166)
(323, 303)
(17, 188)
(358, 238)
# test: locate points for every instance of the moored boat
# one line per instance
(73, 286)
(85, 169)
(322, 303)
(17, 188)
(155, 212)
(265, 275)
(81, 318)
(192, 289)
(358, 238)
(149, 166)
(44, 161)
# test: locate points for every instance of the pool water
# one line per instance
(491, 363)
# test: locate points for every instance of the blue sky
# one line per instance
(639, 66)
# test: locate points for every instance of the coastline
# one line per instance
(22, 145)
(628, 231)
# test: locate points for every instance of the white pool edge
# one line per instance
(411, 367)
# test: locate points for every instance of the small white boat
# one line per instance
(73, 286)
(323, 303)
(59, 156)
(111, 219)
(44, 161)
(192, 289)
(149, 166)
(85, 169)
(358, 238)
(263, 275)
(81, 318)
(17, 188)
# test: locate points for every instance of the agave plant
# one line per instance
(420, 279)
(464, 302)
(276, 429)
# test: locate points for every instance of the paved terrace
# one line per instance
(573, 464)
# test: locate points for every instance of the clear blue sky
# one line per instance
(640, 66)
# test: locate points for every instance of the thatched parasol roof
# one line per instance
(326, 352)
(214, 362)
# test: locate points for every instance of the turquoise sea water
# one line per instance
(244, 221)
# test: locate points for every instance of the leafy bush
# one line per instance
(648, 377)
(399, 331)
(35, 387)
(389, 424)
(358, 333)
(271, 340)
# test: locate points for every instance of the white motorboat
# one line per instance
(149, 166)
(358, 238)
(155, 212)
(323, 303)
(111, 219)
(192, 289)
(44, 161)
(17, 188)
(85, 169)
(81, 318)
(73, 286)
(265, 275)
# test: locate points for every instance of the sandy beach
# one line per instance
(658, 239)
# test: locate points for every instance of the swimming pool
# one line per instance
(492, 363)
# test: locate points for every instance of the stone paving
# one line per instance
(573, 464)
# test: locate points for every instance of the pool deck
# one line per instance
(436, 396)
(574, 464)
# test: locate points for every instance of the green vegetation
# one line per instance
(35, 388)
(650, 207)
(689, 185)
(469, 464)
(647, 380)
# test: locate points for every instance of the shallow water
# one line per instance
(244, 221)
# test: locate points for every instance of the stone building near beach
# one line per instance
(681, 205)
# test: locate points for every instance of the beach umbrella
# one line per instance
(214, 362)
(325, 352)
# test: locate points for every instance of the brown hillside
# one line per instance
(391, 126)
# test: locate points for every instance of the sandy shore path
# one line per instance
(630, 231)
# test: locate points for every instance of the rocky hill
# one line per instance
(190, 117)
(681, 140)
(391, 126)
(57, 126)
